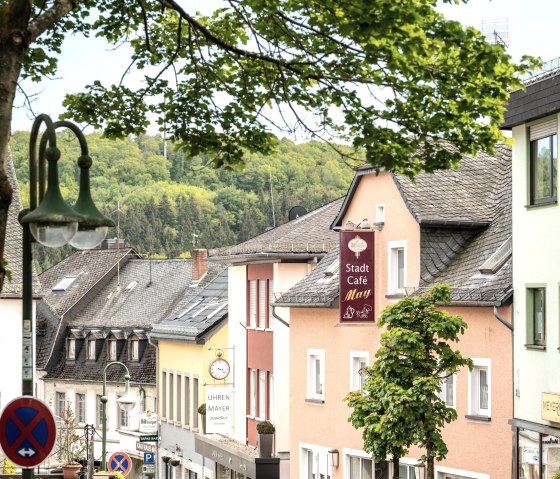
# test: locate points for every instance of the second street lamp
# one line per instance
(126, 402)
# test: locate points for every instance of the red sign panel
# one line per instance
(356, 276)
(27, 431)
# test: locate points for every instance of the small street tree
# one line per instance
(400, 404)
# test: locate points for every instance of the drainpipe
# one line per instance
(499, 316)
(283, 321)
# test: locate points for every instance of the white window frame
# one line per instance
(393, 267)
(358, 359)
(347, 455)
(91, 348)
(262, 394)
(271, 417)
(443, 390)
(80, 408)
(60, 403)
(134, 348)
(71, 350)
(380, 213)
(473, 404)
(124, 416)
(112, 343)
(320, 464)
(253, 303)
(261, 304)
(315, 392)
(442, 472)
(253, 392)
(408, 462)
(270, 303)
(98, 410)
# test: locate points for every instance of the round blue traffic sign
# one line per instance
(120, 462)
(27, 431)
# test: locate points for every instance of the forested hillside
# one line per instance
(161, 203)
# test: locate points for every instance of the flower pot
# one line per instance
(69, 471)
(265, 445)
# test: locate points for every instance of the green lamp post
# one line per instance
(52, 222)
(126, 402)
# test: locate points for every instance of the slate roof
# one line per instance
(453, 244)
(14, 240)
(124, 301)
(306, 236)
(195, 316)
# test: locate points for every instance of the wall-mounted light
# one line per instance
(333, 453)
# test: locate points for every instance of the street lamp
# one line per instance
(51, 222)
(125, 402)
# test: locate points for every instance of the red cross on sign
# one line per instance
(120, 462)
(27, 431)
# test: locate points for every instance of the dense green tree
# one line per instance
(400, 403)
(388, 76)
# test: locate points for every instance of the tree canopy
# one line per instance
(390, 77)
(400, 404)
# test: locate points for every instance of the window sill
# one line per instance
(394, 296)
(551, 202)
(478, 418)
(315, 401)
(537, 347)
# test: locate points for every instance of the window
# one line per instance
(179, 390)
(187, 400)
(252, 303)
(358, 362)
(63, 284)
(447, 392)
(195, 402)
(98, 410)
(407, 471)
(315, 464)
(171, 414)
(397, 267)
(71, 349)
(253, 392)
(262, 394)
(480, 389)
(60, 403)
(262, 303)
(543, 162)
(164, 394)
(81, 408)
(134, 350)
(124, 417)
(91, 349)
(271, 302)
(271, 397)
(315, 374)
(360, 468)
(380, 213)
(112, 346)
(536, 316)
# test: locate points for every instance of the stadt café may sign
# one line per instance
(356, 276)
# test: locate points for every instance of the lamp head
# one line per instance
(126, 402)
(53, 223)
(94, 225)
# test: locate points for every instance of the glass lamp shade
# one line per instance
(53, 234)
(126, 402)
(88, 237)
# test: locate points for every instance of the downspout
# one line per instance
(499, 316)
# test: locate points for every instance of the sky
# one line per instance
(528, 27)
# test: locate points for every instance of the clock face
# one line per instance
(219, 368)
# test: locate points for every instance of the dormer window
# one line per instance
(91, 349)
(71, 348)
(112, 349)
(133, 353)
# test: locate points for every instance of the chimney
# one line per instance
(199, 263)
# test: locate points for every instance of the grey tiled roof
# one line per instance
(131, 300)
(453, 245)
(307, 235)
(195, 316)
(14, 240)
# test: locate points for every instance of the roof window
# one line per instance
(64, 283)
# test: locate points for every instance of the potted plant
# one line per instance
(265, 429)
(70, 446)
(202, 412)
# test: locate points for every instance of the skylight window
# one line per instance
(130, 286)
(493, 264)
(189, 308)
(64, 283)
(216, 311)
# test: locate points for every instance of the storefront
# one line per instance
(235, 460)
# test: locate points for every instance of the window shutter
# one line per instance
(542, 130)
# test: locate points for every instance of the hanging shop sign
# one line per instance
(219, 409)
(356, 276)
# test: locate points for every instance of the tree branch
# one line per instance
(49, 18)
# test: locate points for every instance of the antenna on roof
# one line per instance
(496, 31)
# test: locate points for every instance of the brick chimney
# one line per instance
(199, 263)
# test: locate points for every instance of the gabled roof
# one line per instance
(304, 237)
(14, 240)
(452, 250)
(195, 316)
